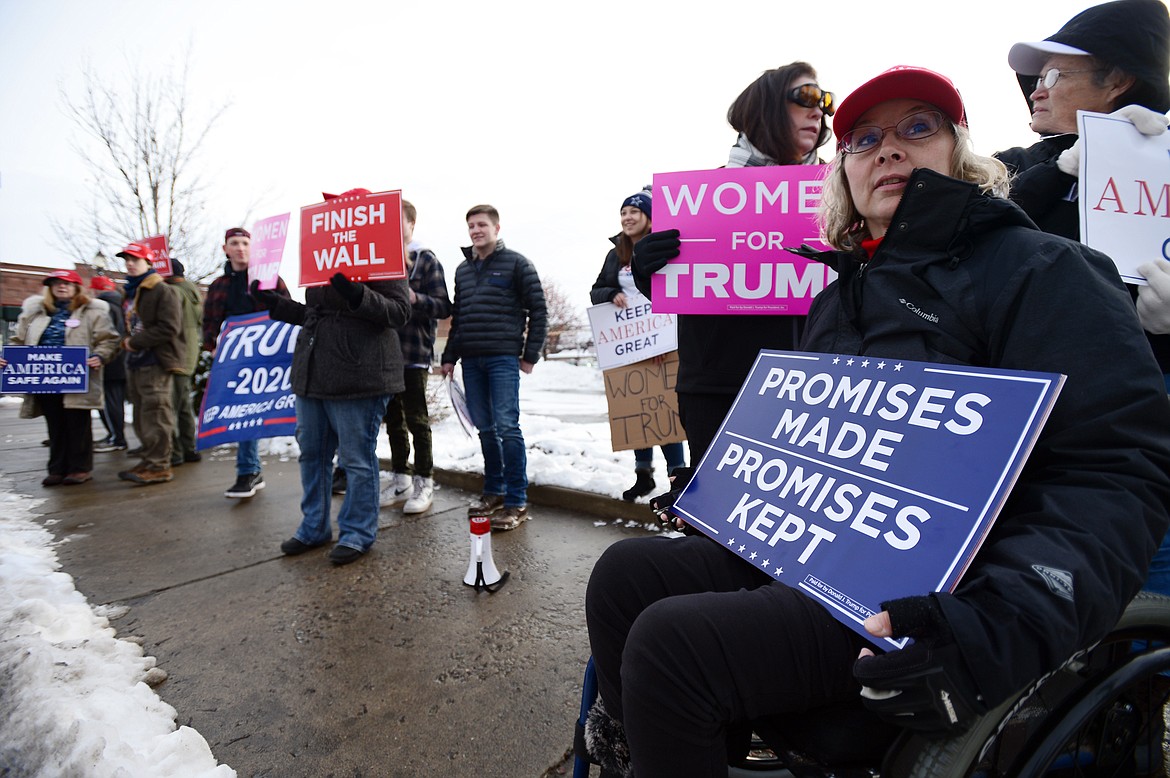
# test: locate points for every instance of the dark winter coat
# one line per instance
(499, 308)
(115, 369)
(607, 286)
(431, 303)
(218, 304)
(157, 308)
(1050, 197)
(1094, 496)
(716, 352)
(345, 353)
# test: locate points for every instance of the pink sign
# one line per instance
(358, 235)
(734, 225)
(268, 237)
(160, 259)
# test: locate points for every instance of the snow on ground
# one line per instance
(74, 699)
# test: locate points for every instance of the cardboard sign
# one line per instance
(359, 235)
(267, 249)
(1124, 192)
(643, 407)
(249, 390)
(160, 259)
(623, 336)
(861, 479)
(45, 370)
(734, 225)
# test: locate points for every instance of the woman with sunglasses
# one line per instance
(781, 118)
(690, 641)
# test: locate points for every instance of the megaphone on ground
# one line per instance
(481, 568)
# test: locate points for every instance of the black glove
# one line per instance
(926, 685)
(663, 503)
(652, 252)
(265, 298)
(349, 291)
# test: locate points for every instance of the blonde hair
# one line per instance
(50, 302)
(843, 228)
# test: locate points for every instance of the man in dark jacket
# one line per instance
(154, 352)
(346, 365)
(498, 325)
(228, 296)
(114, 375)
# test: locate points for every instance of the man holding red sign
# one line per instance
(346, 366)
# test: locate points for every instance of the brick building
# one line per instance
(19, 282)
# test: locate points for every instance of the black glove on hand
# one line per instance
(349, 291)
(661, 505)
(652, 252)
(265, 298)
(926, 685)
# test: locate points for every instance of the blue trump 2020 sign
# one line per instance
(249, 391)
(861, 479)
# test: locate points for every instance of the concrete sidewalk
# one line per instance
(292, 667)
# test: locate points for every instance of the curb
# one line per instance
(594, 505)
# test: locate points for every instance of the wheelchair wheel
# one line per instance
(1101, 714)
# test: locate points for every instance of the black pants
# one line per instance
(114, 414)
(701, 415)
(690, 642)
(70, 436)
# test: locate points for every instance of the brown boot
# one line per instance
(147, 476)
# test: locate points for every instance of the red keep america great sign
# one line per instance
(358, 235)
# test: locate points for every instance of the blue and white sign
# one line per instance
(249, 390)
(45, 370)
(862, 479)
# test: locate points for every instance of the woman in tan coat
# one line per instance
(66, 316)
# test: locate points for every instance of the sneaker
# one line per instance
(146, 476)
(245, 486)
(343, 555)
(510, 518)
(76, 478)
(192, 456)
(421, 496)
(396, 492)
(339, 481)
(486, 505)
(176, 460)
(292, 546)
(135, 452)
(105, 447)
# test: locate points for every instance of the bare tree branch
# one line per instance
(142, 149)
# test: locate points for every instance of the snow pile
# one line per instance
(73, 700)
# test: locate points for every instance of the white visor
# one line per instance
(1028, 58)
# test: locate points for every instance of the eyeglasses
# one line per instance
(1049, 78)
(916, 126)
(812, 96)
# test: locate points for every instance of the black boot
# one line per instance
(642, 487)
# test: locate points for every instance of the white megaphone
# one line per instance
(481, 569)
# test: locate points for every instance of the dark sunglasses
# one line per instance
(812, 96)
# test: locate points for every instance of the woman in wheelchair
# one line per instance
(692, 647)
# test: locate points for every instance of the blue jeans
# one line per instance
(493, 399)
(671, 452)
(348, 428)
(247, 457)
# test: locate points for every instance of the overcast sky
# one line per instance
(553, 112)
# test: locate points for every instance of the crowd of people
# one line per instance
(692, 647)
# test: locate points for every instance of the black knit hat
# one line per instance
(1134, 35)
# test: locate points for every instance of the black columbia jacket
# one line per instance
(1094, 497)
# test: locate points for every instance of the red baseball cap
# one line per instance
(349, 193)
(138, 251)
(900, 81)
(63, 275)
(102, 283)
